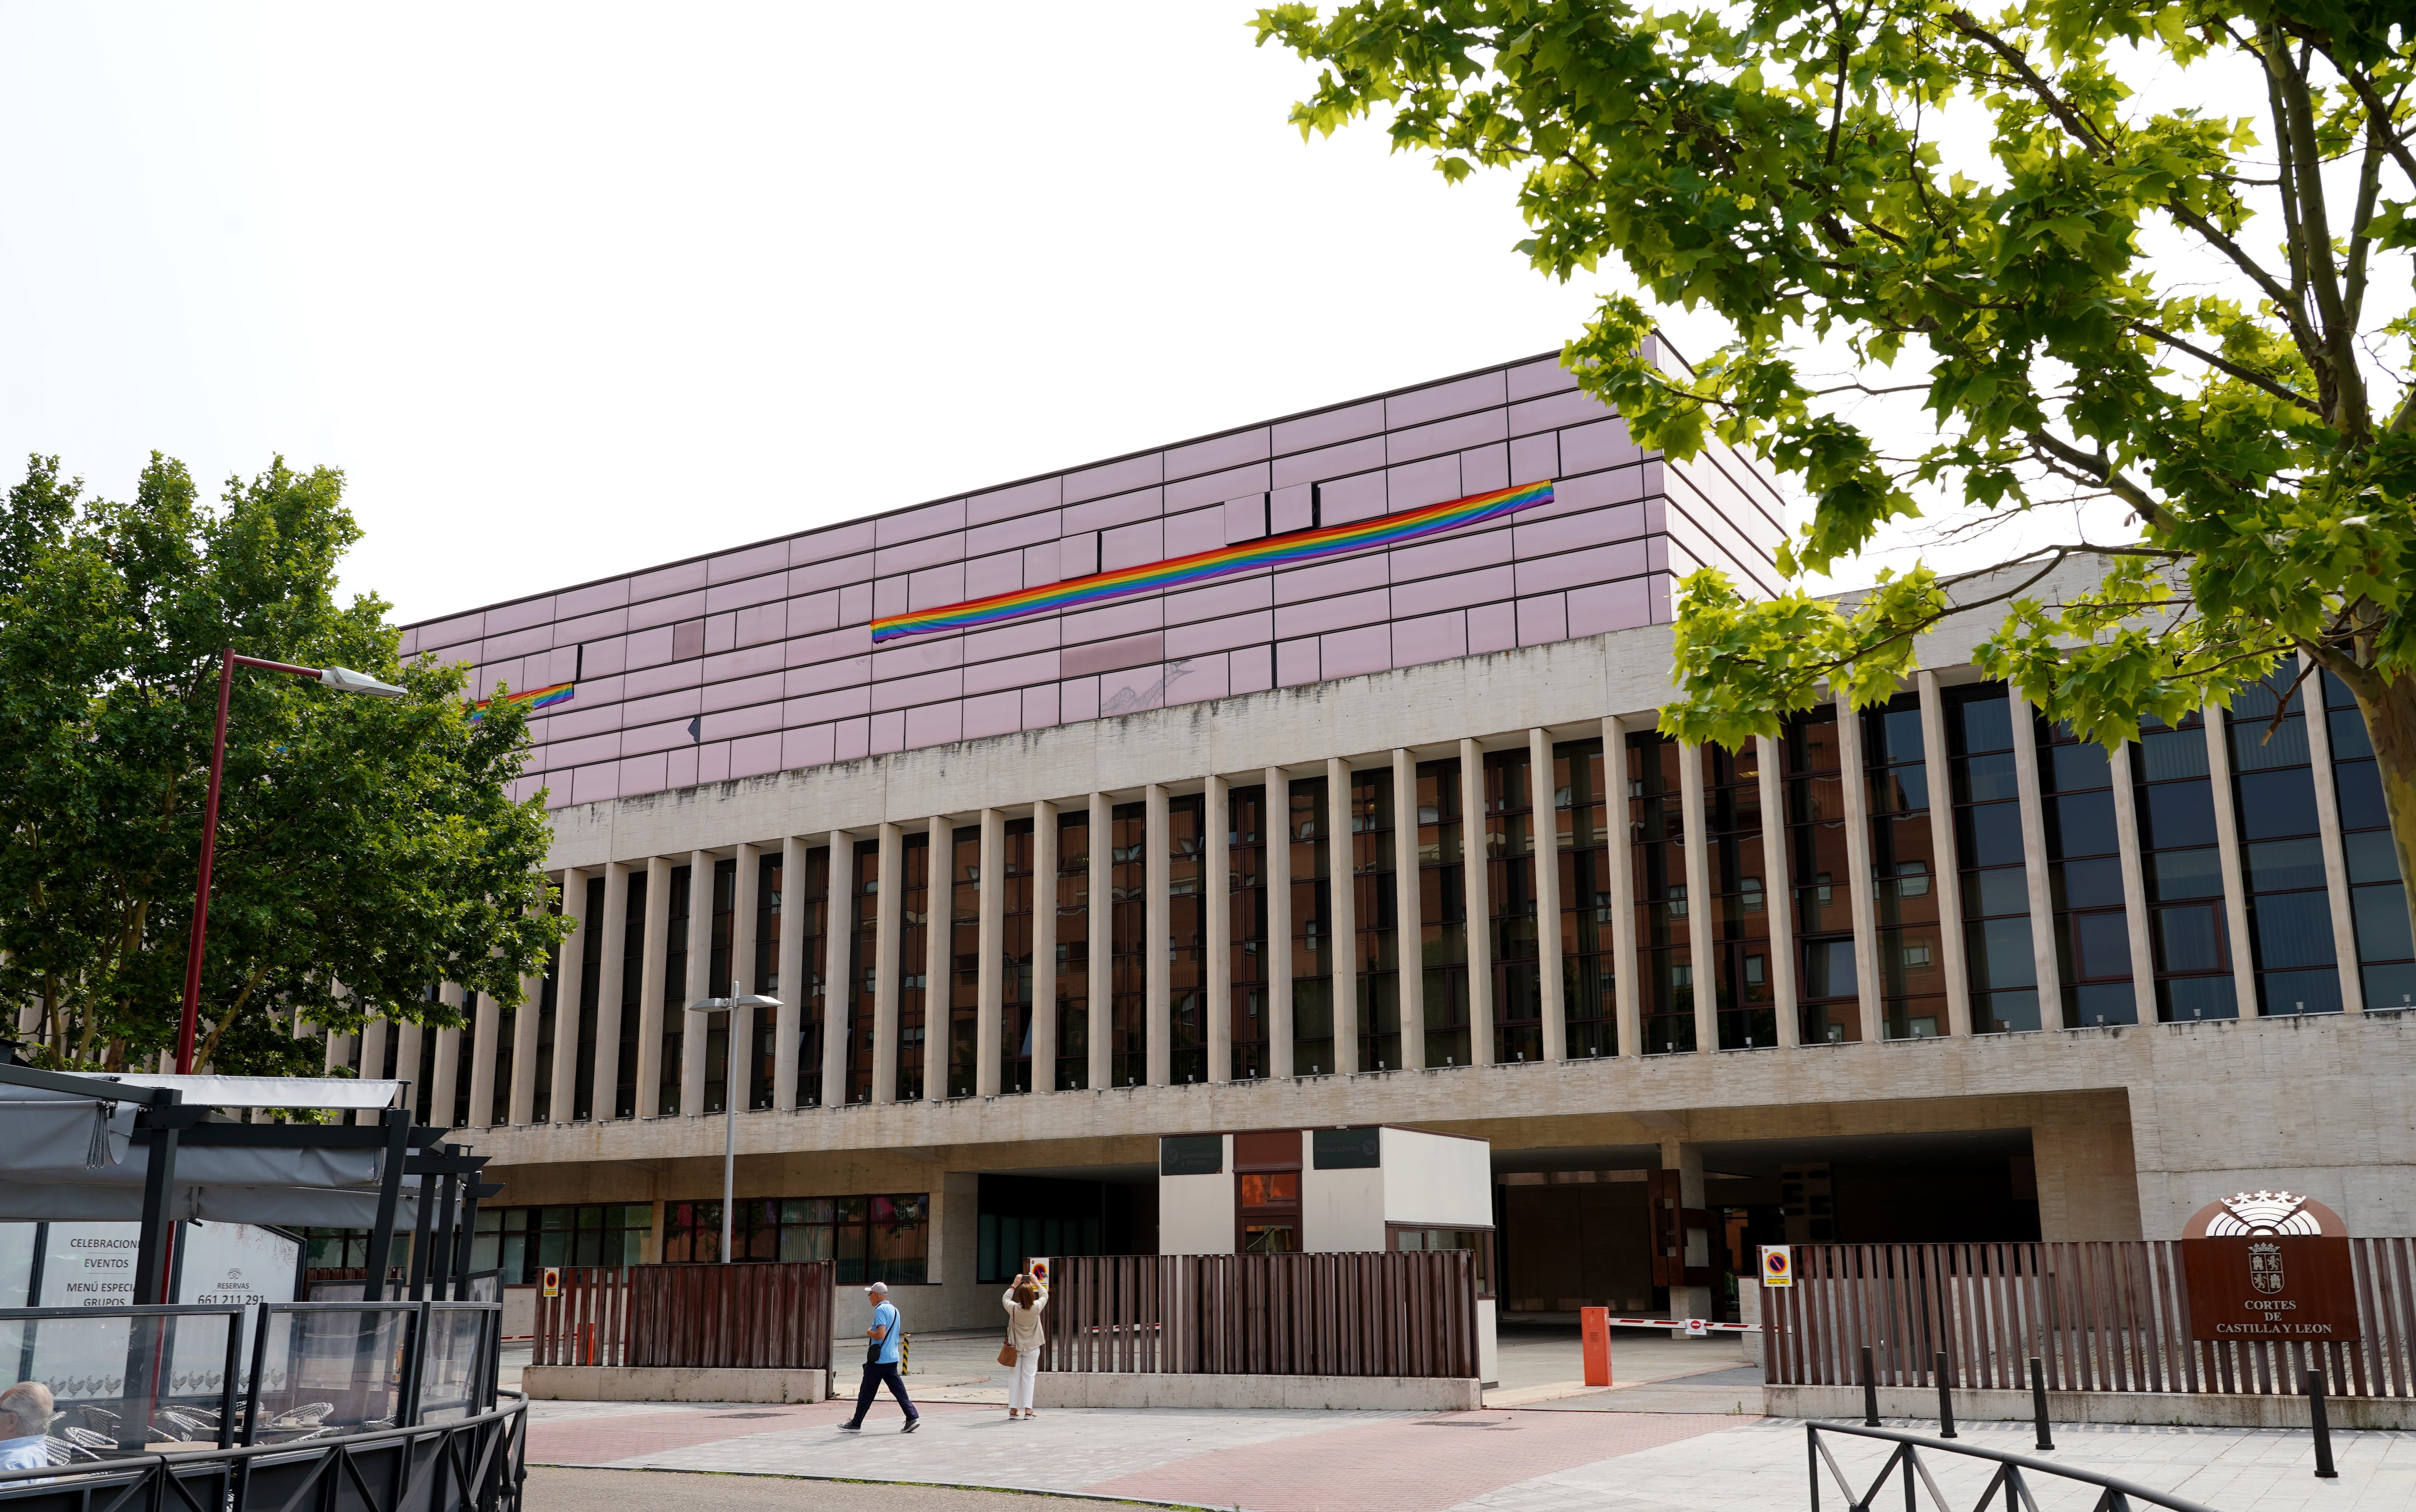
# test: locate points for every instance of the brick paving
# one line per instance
(1492, 1460)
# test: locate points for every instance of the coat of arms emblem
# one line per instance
(2265, 1268)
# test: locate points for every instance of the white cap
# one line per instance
(877, 1288)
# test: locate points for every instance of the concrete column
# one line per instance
(445, 1074)
(486, 1021)
(839, 947)
(1947, 886)
(571, 971)
(2235, 876)
(406, 1036)
(2320, 756)
(515, 1102)
(655, 946)
(1686, 1158)
(1855, 781)
(1408, 931)
(1044, 947)
(1217, 892)
(373, 1063)
(605, 1069)
(1157, 872)
(1343, 893)
(744, 898)
(1621, 859)
(1277, 950)
(1544, 800)
(1702, 914)
(1102, 927)
(939, 963)
(1474, 849)
(2032, 792)
(888, 921)
(697, 984)
(990, 986)
(1778, 894)
(2135, 888)
(789, 970)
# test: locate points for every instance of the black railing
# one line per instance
(2012, 1478)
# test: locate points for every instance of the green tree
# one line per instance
(367, 848)
(2194, 310)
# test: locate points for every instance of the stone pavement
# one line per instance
(1492, 1460)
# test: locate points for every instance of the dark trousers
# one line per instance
(874, 1376)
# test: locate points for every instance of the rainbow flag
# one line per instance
(1273, 551)
(533, 701)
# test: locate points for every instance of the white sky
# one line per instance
(568, 290)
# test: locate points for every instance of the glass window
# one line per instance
(2377, 899)
(1991, 855)
(2290, 910)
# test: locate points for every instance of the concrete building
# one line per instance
(1042, 871)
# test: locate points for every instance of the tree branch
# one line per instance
(2246, 375)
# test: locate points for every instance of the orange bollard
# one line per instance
(1595, 1324)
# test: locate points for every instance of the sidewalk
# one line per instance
(1515, 1460)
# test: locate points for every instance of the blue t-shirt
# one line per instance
(885, 1317)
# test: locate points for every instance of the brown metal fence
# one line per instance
(2108, 1316)
(758, 1315)
(1412, 1314)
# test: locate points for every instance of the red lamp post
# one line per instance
(341, 679)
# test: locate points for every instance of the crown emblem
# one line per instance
(2265, 1268)
(2263, 1212)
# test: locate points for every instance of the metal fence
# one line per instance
(2110, 1316)
(1409, 1314)
(759, 1316)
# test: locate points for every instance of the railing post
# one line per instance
(1812, 1460)
(1870, 1392)
(1945, 1400)
(2317, 1418)
(2038, 1401)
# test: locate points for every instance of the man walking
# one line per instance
(881, 1356)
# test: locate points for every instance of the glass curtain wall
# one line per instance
(465, 1046)
(423, 1087)
(2282, 849)
(549, 1015)
(1186, 923)
(719, 980)
(2386, 953)
(1073, 964)
(1442, 915)
(1813, 768)
(1375, 917)
(674, 1024)
(591, 985)
(1510, 881)
(1988, 843)
(1657, 852)
(1015, 972)
(964, 959)
(805, 906)
(1588, 1001)
(1747, 1000)
(1128, 946)
(2187, 933)
(1312, 925)
(764, 1041)
(914, 958)
(2093, 930)
(1904, 872)
(633, 980)
(1246, 812)
(863, 964)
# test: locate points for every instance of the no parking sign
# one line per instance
(1777, 1266)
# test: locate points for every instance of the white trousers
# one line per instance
(1019, 1378)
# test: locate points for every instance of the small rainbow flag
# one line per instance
(1273, 551)
(531, 701)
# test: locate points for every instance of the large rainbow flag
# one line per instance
(1273, 551)
(531, 701)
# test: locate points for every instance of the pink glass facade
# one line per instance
(760, 659)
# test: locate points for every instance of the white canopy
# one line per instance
(345, 1092)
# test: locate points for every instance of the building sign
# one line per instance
(2269, 1264)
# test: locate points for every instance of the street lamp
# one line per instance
(341, 679)
(728, 1102)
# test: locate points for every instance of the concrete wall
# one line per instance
(1195, 1214)
(1340, 1210)
(1433, 1178)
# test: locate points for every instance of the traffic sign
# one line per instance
(1777, 1266)
(552, 1280)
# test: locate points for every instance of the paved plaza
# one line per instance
(1554, 1457)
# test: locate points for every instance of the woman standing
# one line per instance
(1025, 1303)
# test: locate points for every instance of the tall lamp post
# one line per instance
(341, 679)
(709, 1006)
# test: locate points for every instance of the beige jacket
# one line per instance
(1023, 1328)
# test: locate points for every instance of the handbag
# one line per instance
(1007, 1356)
